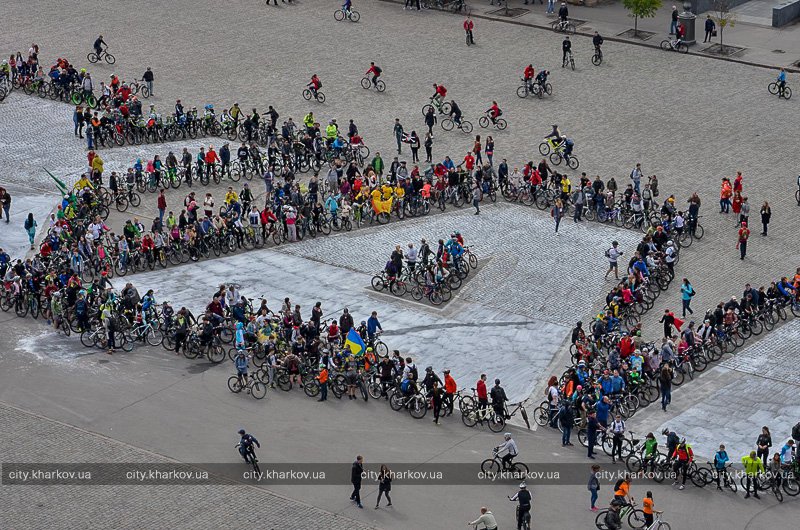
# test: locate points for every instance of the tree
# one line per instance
(724, 17)
(641, 9)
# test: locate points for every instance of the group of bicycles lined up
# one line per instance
(425, 274)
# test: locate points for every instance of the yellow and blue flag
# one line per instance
(355, 343)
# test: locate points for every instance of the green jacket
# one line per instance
(377, 164)
(752, 466)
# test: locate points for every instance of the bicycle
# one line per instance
(94, 57)
(568, 60)
(658, 524)
(563, 26)
(635, 517)
(379, 85)
(529, 87)
(774, 88)
(317, 95)
(250, 457)
(526, 519)
(443, 107)
(674, 45)
(486, 120)
(597, 58)
(351, 14)
(254, 387)
(495, 465)
(557, 156)
(415, 403)
(448, 124)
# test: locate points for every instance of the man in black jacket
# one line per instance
(355, 479)
(499, 399)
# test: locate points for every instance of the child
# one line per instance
(647, 508)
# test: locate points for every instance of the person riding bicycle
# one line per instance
(528, 75)
(455, 112)
(494, 112)
(781, 81)
(509, 446)
(555, 134)
(680, 31)
(622, 491)
(376, 72)
(314, 85)
(569, 145)
(566, 49)
(241, 362)
(439, 93)
(524, 497)
(347, 7)
(98, 46)
(541, 78)
(246, 445)
(597, 40)
(563, 12)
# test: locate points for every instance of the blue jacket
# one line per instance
(617, 383)
(607, 385)
(241, 363)
(720, 459)
(603, 409)
(373, 325)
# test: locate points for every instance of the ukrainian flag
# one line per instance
(354, 342)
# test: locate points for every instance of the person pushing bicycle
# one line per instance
(524, 497)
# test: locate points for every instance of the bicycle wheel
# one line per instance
(544, 148)
(483, 121)
(338, 15)
(307, 94)
(110, 59)
(522, 92)
(490, 465)
(92, 57)
(600, 520)
(447, 124)
(772, 88)
(787, 92)
(497, 423)
(154, 337)
(597, 59)
(541, 416)
(320, 97)
(354, 16)
(663, 526)
(466, 126)
(682, 48)
(216, 354)
(234, 385)
(501, 124)
(380, 85)
(573, 162)
(790, 485)
(418, 407)
(374, 389)
(636, 519)
(365, 83)
(258, 390)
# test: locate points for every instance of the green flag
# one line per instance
(59, 183)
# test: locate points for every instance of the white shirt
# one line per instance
(509, 445)
(613, 254)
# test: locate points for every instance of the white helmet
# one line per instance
(507, 435)
(670, 243)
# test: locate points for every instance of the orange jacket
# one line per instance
(323, 376)
(450, 384)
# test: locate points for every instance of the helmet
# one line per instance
(369, 349)
(363, 322)
(665, 431)
(669, 243)
(429, 369)
(209, 106)
(522, 486)
(507, 435)
(242, 431)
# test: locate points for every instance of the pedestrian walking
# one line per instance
(766, 214)
(673, 25)
(414, 144)
(398, 134)
(744, 235)
(687, 292)
(428, 147)
(148, 77)
(725, 194)
(468, 26)
(636, 177)
(613, 254)
(162, 205)
(5, 202)
(30, 227)
(593, 486)
(355, 478)
(476, 197)
(665, 385)
(711, 29)
(384, 485)
(556, 212)
(744, 211)
(489, 149)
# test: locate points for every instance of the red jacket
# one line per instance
(162, 202)
(468, 25)
(481, 388)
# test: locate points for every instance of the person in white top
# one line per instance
(411, 256)
(613, 255)
(487, 518)
(510, 447)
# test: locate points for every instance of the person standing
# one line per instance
(687, 292)
(450, 389)
(592, 427)
(398, 134)
(148, 78)
(551, 6)
(578, 199)
(556, 212)
(593, 486)
(744, 234)
(766, 214)
(665, 386)
(429, 147)
(476, 198)
(384, 485)
(618, 434)
(710, 27)
(77, 120)
(30, 227)
(744, 211)
(468, 26)
(437, 398)
(673, 25)
(763, 443)
(567, 418)
(613, 255)
(5, 202)
(355, 478)
(322, 379)
(430, 120)
(377, 164)
(752, 467)
(636, 177)
(162, 205)
(414, 144)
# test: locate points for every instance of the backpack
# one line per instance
(617, 484)
(608, 253)
(378, 70)
(414, 374)
(796, 431)
(319, 83)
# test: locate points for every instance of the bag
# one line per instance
(713, 33)
(320, 84)
(617, 484)
(796, 431)
(692, 293)
(378, 70)
(608, 253)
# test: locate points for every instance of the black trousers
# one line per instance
(356, 495)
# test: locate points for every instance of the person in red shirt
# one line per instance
(536, 177)
(469, 162)
(626, 347)
(211, 159)
(483, 396)
(124, 93)
(114, 84)
(375, 71)
(439, 93)
(450, 389)
(315, 84)
(529, 73)
(468, 25)
(494, 111)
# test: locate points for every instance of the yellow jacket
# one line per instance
(752, 466)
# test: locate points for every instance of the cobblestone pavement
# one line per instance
(131, 507)
(774, 357)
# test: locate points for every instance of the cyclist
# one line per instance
(376, 72)
(566, 49)
(246, 445)
(622, 491)
(597, 40)
(439, 93)
(650, 450)
(683, 456)
(241, 366)
(555, 134)
(541, 78)
(569, 145)
(529, 74)
(98, 46)
(510, 447)
(524, 497)
(494, 112)
(563, 13)
(679, 33)
(314, 85)
(721, 460)
(781, 81)
(455, 112)
(486, 518)
(347, 7)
